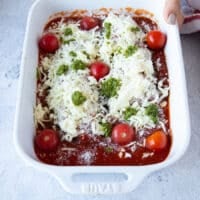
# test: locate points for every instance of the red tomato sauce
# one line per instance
(89, 149)
(95, 150)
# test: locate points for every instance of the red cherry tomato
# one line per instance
(88, 23)
(99, 69)
(49, 43)
(156, 141)
(123, 134)
(47, 140)
(156, 39)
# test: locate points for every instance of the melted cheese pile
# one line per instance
(136, 73)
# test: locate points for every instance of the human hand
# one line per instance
(172, 12)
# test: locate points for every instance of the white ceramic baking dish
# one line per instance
(24, 123)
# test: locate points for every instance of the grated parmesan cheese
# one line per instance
(138, 89)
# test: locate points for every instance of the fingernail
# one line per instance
(171, 19)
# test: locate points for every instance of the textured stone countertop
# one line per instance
(19, 182)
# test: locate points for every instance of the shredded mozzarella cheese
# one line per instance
(138, 82)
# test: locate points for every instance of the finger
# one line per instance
(172, 12)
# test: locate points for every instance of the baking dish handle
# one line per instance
(135, 177)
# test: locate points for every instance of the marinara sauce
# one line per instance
(88, 149)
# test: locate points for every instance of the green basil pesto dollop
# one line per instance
(106, 128)
(129, 111)
(68, 31)
(78, 98)
(110, 87)
(107, 28)
(130, 51)
(78, 65)
(152, 112)
(62, 69)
